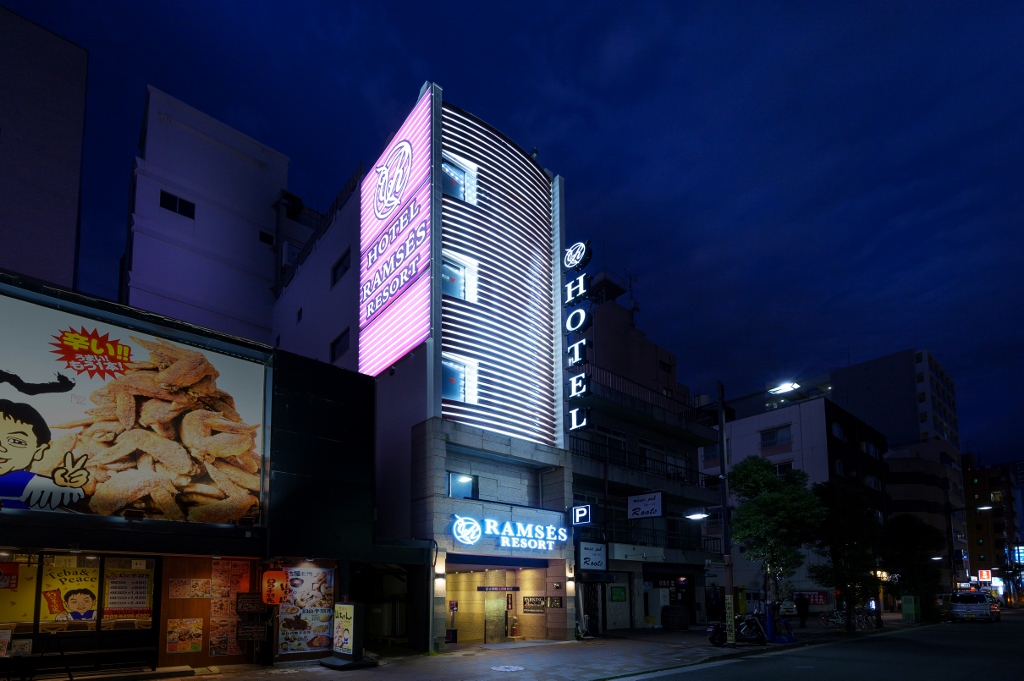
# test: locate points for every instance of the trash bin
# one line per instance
(911, 609)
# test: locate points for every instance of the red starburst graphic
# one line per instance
(87, 351)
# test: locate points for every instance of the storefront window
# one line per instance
(127, 593)
(69, 593)
(18, 591)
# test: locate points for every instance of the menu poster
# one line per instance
(344, 614)
(185, 635)
(21, 646)
(179, 588)
(199, 588)
(68, 593)
(307, 612)
(128, 594)
(9, 576)
(5, 641)
(229, 578)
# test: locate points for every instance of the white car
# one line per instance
(973, 605)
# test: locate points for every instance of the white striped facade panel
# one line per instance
(508, 330)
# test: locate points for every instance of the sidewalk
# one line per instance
(601, 659)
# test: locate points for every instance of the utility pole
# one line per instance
(730, 621)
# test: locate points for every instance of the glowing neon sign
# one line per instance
(576, 258)
(469, 531)
(394, 246)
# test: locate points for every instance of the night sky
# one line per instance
(796, 186)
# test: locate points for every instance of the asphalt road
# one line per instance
(943, 652)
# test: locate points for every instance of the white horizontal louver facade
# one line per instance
(507, 330)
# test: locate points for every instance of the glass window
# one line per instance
(69, 593)
(454, 181)
(837, 431)
(463, 486)
(341, 267)
(18, 586)
(783, 468)
(776, 437)
(453, 380)
(339, 346)
(839, 467)
(453, 279)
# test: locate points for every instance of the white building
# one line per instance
(203, 222)
(821, 439)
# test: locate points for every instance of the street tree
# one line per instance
(848, 539)
(775, 516)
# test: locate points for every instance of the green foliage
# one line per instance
(847, 539)
(776, 515)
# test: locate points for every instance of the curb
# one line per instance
(761, 650)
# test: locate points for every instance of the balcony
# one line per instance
(643, 464)
(623, 533)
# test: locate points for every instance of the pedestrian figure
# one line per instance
(803, 606)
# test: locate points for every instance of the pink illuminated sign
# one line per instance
(394, 244)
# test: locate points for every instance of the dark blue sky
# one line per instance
(796, 185)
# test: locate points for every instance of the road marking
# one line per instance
(677, 670)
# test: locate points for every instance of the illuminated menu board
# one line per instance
(395, 234)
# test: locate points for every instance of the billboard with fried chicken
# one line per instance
(100, 419)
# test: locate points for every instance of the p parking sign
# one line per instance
(581, 515)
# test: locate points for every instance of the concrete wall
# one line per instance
(212, 270)
(42, 123)
(327, 310)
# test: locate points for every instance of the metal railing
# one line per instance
(640, 462)
(646, 399)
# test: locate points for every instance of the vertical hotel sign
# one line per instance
(576, 322)
(394, 246)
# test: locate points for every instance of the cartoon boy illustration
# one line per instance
(24, 438)
(80, 605)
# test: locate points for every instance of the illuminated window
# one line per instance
(459, 276)
(339, 346)
(462, 486)
(458, 378)
(178, 205)
(459, 177)
(453, 279)
(341, 267)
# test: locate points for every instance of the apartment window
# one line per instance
(458, 378)
(981, 556)
(869, 449)
(981, 541)
(341, 267)
(783, 468)
(920, 377)
(459, 276)
(459, 177)
(917, 358)
(462, 486)
(923, 417)
(298, 316)
(339, 346)
(267, 238)
(839, 467)
(453, 279)
(776, 437)
(873, 482)
(178, 205)
(837, 431)
(920, 397)
(665, 366)
(609, 437)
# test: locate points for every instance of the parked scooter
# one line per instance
(749, 629)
